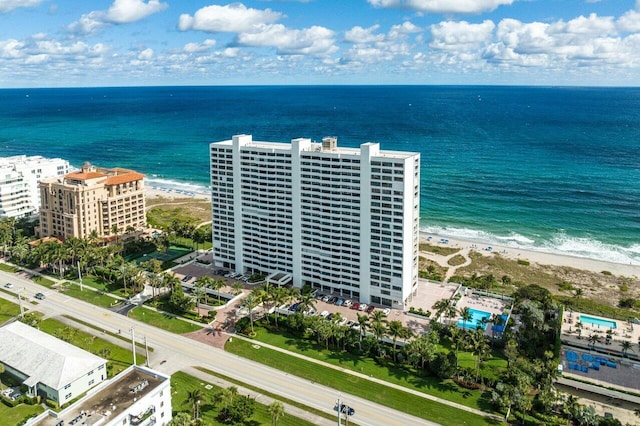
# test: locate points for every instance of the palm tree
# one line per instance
(276, 409)
(226, 396)
(217, 286)
(306, 302)
(423, 349)
(237, 287)
(626, 346)
(465, 315)
(363, 322)
(193, 400)
(379, 330)
(441, 306)
(396, 329)
(593, 339)
(479, 347)
(199, 291)
(250, 302)
(170, 280)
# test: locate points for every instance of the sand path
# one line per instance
(444, 261)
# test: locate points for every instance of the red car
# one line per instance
(355, 306)
(370, 309)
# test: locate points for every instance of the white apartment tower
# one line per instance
(342, 220)
(19, 177)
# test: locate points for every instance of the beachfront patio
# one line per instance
(577, 328)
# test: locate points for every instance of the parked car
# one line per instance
(348, 303)
(8, 285)
(330, 316)
(326, 298)
(355, 306)
(40, 296)
(324, 314)
(363, 307)
(333, 300)
(319, 296)
(339, 302)
(311, 312)
(370, 309)
(294, 307)
(386, 312)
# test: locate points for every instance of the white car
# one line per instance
(347, 303)
(386, 312)
(8, 285)
(363, 307)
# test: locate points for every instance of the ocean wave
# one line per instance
(175, 185)
(556, 243)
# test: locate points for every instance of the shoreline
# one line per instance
(535, 256)
(186, 192)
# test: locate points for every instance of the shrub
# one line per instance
(523, 262)
(565, 286)
(52, 404)
(628, 302)
(606, 273)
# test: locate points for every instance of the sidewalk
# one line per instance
(375, 380)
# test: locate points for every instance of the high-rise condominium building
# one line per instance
(339, 219)
(19, 177)
(92, 199)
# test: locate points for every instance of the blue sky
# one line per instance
(53, 43)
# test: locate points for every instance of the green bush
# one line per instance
(606, 273)
(523, 262)
(52, 404)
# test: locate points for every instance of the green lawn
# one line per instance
(8, 268)
(88, 295)
(18, 414)
(181, 383)
(119, 358)
(43, 281)
(389, 373)
(381, 394)
(163, 321)
(8, 310)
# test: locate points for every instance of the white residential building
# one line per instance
(138, 396)
(342, 220)
(48, 366)
(19, 177)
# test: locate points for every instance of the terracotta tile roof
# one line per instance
(128, 176)
(84, 176)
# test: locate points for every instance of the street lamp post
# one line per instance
(338, 405)
(133, 344)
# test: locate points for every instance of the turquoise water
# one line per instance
(476, 319)
(550, 169)
(585, 319)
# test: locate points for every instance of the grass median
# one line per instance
(182, 383)
(90, 296)
(379, 393)
(18, 414)
(162, 320)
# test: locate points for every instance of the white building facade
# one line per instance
(19, 177)
(341, 220)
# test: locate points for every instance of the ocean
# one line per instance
(553, 169)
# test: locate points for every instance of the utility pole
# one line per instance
(133, 344)
(146, 349)
(20, 301)
(79, 275)
(338, 405)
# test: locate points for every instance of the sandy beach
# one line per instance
(175, 192)
(534, 256)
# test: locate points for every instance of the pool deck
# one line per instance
(624, 331)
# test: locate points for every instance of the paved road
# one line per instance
(180, 353)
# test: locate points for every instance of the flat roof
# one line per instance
(111, 399)
(317, 147)
(42, 357)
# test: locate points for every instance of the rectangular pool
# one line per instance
(586, 319)
(477, 318)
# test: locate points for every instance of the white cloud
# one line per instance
(629, 22)
(231, 18)
(146, 54)
(120, 12)
(9, 5)
(363, 35)
(127, 11)
(199, 47)
(443, 6)
(309, 41)
(451, 35)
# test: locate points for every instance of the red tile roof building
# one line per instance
(92, 199)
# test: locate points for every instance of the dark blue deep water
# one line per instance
(556, 169)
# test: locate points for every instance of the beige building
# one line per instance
(93, 198)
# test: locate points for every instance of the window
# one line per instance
(67, 386)
(67, 396)
(90, 382)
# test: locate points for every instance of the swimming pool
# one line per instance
(586, 319)
(476, 319)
